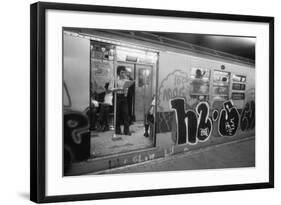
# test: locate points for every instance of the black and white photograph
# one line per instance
(144, 101)
(140, 102)
(134, 102)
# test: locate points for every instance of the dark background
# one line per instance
(242, 46)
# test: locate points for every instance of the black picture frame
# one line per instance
(38, 100)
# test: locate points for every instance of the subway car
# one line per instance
(184, 97)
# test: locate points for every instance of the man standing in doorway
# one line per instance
(122, 111)
(130, 97)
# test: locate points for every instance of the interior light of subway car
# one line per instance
(141, 56)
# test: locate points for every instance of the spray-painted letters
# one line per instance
(175, 84)
(191, 126)
(196, 125)
(247, 120)
(229, 119)
(204, 128)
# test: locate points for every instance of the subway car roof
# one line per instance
(239, 49)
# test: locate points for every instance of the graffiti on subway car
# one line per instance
(196, 125)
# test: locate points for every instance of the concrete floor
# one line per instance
(102, 143)
(229, 155)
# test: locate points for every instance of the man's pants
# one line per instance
(122, 114)
(103, 115)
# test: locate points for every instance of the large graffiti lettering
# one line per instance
(196, 125)
(76, 137)
(229, 119)
(204, 129)
(186, 121)
(247, 120)
(191, 126)
(75, 125)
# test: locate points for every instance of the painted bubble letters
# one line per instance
(186, 122)
(204, 128)
(196, 125)
(247, 120)
(229, 119)
(191, 126)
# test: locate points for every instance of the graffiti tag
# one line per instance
(204, 123)
(229, 119)
(191, 126)
(176, 84)
(247, 120)
(196, 126)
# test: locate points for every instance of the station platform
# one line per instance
(229, 157)
(235, 154)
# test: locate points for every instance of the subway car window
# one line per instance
(238, 96)
(144, 75)
(200, 81)
(239, 78)
(221, 85)
(238, 87)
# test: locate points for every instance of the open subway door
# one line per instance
(121, 124)
(144, 92)
(75, 99)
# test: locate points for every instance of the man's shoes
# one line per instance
(128, 133)
(146, 134)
